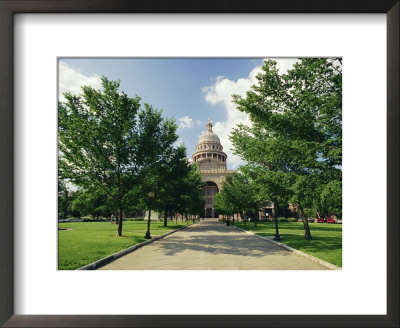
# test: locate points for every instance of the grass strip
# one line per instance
(326, 243)
(82, 243)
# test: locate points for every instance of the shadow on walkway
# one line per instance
(216, 238)
(211, 245)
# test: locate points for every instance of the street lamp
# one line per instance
(277, 236)
(275, 212)
(147, 235)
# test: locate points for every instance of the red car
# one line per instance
(320, 220)
(330, 220)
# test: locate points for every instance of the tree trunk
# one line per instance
(67, 206)
(275, 212)
(165, 218)
(307, 233)
(119, 234)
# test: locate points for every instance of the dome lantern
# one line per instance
(209, 125)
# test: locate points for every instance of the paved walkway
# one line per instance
(211, 245)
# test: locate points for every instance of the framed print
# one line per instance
(35, 35)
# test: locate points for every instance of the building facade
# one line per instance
(211, 161)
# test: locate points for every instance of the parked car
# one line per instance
(330, 220)
(320, 220)
(339, 221)
(311, 219)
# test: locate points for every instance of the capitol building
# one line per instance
(211, 161)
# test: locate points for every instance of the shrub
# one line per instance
(135, 219)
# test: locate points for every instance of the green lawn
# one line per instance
(326, 242)
(86, 242)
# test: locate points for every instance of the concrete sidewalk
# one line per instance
(211, 245)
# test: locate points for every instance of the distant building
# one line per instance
(211, 161)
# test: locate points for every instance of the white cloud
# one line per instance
(221, 93)
(185, 122)
(188, 122)
(284, 64)
(178, 142)
(71, 80)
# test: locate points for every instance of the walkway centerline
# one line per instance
(211, 245)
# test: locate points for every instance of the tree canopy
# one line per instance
(294, 143)
(238, 195)
(108, 141)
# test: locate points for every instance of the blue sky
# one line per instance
(188, 89)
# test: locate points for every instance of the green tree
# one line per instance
(238, 195)
(220, 204)
(92, 202)
(64, 200)
(296, 128)
(169, 178)
(271, 187)
(223, 206)
(191, 200)
(331, 198)
(107, 140)
(79, 206)
(179, 185)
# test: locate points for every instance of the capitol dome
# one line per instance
(209, 135)
(209, 150)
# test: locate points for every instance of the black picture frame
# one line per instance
(10, 7)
